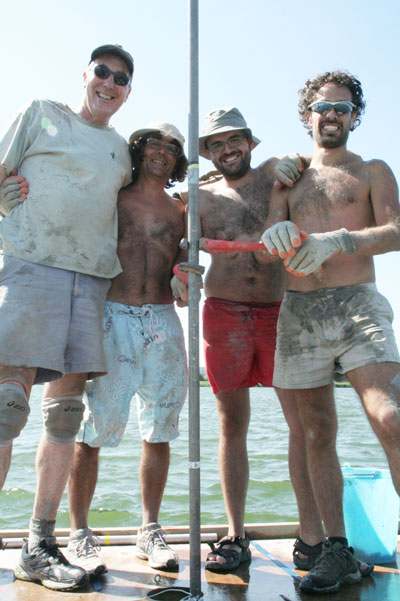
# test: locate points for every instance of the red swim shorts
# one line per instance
(239, 343)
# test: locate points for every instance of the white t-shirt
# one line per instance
(75, 170)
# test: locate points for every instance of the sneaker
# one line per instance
(335, 566)
(84, 551)
(48, 565)
(311, 552)
(151, 545)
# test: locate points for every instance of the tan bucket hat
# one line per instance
(167, 129)
(219, 121)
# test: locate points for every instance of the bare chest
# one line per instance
(140, 231)
(323, 196)
(235, 217)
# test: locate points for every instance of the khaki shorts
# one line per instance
(51, 319)
(331, 330)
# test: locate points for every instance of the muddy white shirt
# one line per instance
(75, 170)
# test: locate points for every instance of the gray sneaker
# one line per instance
(151, 545)
(335, 566)
(84, 551)
(48, 565)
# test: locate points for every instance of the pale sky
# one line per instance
(254, 55)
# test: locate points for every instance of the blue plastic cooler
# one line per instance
(371, 513)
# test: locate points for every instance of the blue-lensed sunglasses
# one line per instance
(323, 107)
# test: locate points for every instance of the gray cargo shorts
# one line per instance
(51, 319)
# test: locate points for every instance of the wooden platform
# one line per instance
(269, 577)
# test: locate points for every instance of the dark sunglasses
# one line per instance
(103, 72)
(158, 145)
(233, 141)
(323, 108)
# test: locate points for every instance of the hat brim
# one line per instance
(203, 152)
(140, 133)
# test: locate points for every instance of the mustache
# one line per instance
(331, 122)
(231, 154)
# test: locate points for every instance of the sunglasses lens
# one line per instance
(102, 71)
(121, 78)
(342, 108)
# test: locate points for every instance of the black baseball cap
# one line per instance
(114, 49)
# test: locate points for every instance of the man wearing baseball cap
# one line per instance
(144, 346)
(58, 241)
(116, 50)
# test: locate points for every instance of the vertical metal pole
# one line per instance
(194, 298)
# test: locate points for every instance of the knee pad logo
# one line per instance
(76, 409)
(16, 406)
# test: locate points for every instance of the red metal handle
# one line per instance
(229, 246)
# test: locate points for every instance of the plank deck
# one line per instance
(269, 577)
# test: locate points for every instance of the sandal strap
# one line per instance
(302, 547)
(243, 543)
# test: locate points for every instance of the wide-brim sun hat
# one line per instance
(115, 49)
(220, 121)
(162, 127)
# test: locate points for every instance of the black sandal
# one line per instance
(233, 558)
(312, 552)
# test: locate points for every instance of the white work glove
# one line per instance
(288, 170)
(317, 249)
(283, 238)
(13, 191)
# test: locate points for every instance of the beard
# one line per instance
(235, 171)
(326, 140)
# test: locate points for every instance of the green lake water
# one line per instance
(117, 497)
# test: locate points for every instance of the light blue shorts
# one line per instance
(146, 356)
(51, 319)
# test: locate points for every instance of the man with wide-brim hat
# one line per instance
(159, 127)
(239, 317)
(159, 135)
(144, 346)
(222, 121)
